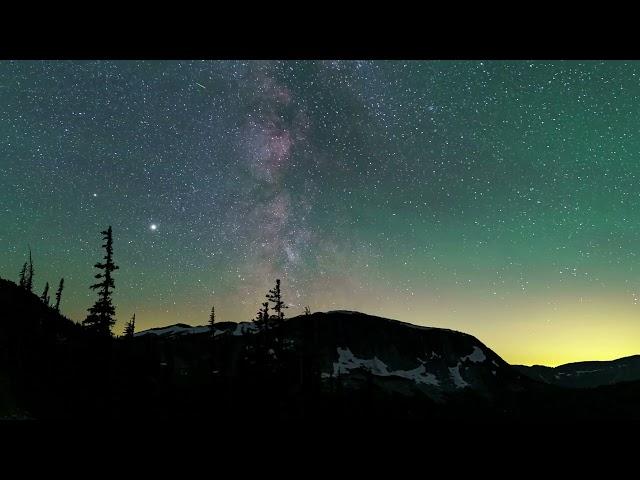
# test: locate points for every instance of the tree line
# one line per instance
(268, 364)
(26, 281)
(101, 315)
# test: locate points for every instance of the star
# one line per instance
(153, 227)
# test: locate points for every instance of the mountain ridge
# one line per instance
(396, 355)
(336, 364)
(344, 359)
(586, 374)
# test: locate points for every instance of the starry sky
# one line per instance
(496, 198)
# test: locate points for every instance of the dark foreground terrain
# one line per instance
(333, 365)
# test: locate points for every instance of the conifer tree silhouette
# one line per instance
(59, 294)
(100, 318)
(262, 318)
(28, 282)
(212, 333)
(275, 324)
(212, 320)
(130, 327)
(275, 296)
(45, 294)
(262, 341)
(23, 276)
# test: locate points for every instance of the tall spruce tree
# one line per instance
(262, 318)
(275, 296)
(45, 294)
(262, 341)
(28, 283)
(212, 343)
(130, 327)
(101, 314)
(59, 294)
(212, 321)
(23, 276)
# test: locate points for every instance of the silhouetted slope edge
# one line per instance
(402, 357)
(586, 374)
(333, 365)
(35, 344)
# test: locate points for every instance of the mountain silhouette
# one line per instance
(586, 374)
(400, 357)
(338, 364)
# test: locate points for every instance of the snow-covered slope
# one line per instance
(172, 330)
(347, 362)
(179, 329)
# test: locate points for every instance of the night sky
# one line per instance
(496, 198)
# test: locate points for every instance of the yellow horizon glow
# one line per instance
(530, 331)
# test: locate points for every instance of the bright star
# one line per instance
(153, 227)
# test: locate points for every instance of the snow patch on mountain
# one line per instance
(244, 328)
(476, 356)
(175, 330)
(454, 372)
(347, 361)
(418, 375)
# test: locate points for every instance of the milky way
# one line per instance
(497, 198)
